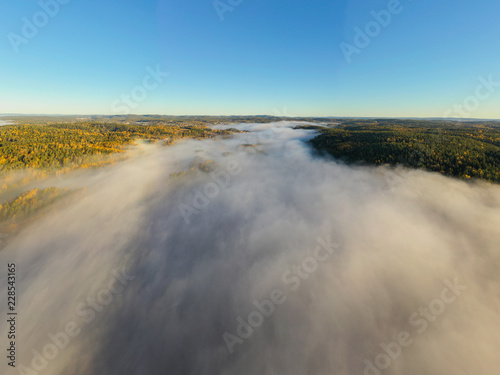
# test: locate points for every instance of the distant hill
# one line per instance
(464, 150)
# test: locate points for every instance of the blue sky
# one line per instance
(265, 57)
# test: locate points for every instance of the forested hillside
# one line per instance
(78, 144)
(33, 152)
(461, 150)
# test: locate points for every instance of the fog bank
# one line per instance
(332, 269)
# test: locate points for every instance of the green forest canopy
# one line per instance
(463, 150)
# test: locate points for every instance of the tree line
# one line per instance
(465, 151)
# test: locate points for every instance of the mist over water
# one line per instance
(398, 238)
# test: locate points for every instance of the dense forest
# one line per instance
(82, 144)
(463, 150)
(41, 148)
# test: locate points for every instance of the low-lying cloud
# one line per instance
(410, 286)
